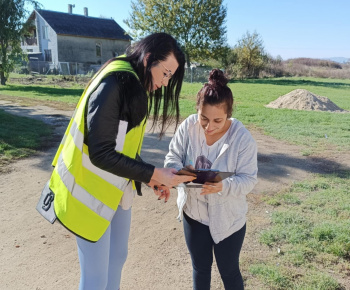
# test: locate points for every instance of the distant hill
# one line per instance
(334, 67)
(314, 62)
(339, 59)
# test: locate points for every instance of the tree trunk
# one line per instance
(3, 79)
(4, 60)
(188, 60)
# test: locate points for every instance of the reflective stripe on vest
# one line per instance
(81, 194)
(86, 197)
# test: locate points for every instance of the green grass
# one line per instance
(69, 95)
(272, 276)
(311, 228)
(279, 277)
(20, 137)
(314, 131)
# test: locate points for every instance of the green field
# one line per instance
(43, 92)
(314, 131)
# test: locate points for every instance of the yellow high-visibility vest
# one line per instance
(87, 197)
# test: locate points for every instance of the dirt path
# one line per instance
(37, 255)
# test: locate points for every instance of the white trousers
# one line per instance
(101, 263)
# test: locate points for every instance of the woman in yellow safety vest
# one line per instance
(97, 166)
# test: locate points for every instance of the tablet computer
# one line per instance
(205, 175)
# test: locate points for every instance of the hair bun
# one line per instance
(217, 78)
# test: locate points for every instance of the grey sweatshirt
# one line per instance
(227, 210)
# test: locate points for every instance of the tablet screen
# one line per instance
(205, 175)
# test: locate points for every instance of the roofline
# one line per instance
(36, 10)
(44, 20)
(77, 15)
(82, 36)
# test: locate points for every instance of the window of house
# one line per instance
(98, 49)
(45, 33)
(48, 56)
(29, 50)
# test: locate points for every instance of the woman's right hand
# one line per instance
(168, 177)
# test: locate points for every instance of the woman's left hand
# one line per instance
(162, 191)
(159, 189)
(211, 187)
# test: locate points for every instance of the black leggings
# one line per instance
(201, 245)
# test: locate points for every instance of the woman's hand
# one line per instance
(160, 190)
(211, 187)
(153, 183)
(168, 177)
(190, 167)
(163, 192)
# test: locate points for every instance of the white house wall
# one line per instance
(83, 49)
(33, 48)
(50, 43)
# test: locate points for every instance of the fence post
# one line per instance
(192, 73)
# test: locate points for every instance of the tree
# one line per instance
(12, 13)
(198, 25)
(250, 56)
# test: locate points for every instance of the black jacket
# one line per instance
(120, 96)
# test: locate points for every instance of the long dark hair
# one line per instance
(216, 92)
(158, 47)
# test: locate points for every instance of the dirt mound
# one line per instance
(301, 99)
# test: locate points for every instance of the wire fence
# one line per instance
(60, 68)
(193, 74)
(197, 74)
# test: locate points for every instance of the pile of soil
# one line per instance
(301, 99)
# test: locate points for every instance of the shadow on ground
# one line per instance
(272, 165)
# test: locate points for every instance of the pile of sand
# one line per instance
(301, 99)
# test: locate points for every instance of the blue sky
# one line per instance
(289, 28)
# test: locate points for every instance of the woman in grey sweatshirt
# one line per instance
(214, 214)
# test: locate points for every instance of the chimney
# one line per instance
(70, 8)
(86, 12)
